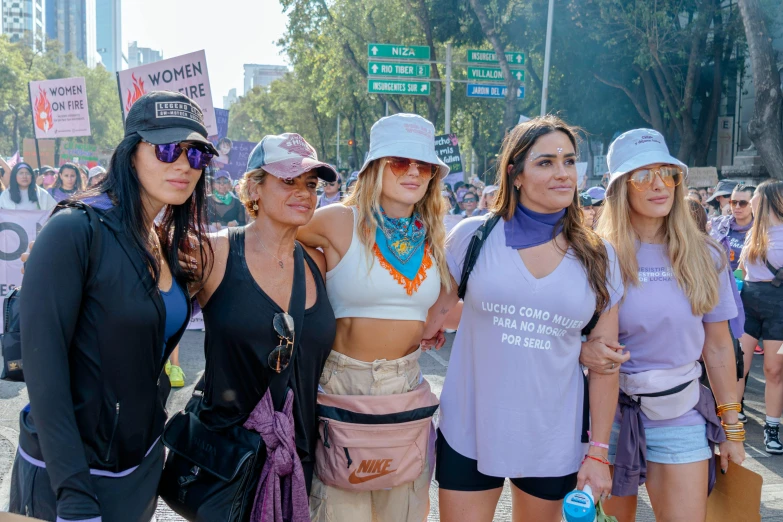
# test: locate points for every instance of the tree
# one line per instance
(766, 126)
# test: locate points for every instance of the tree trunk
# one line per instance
(510, 113)
(766, 125)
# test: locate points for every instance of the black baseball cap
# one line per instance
(167, 117)
(585, 200)
(724, 188)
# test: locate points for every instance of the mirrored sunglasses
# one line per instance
(170, 152)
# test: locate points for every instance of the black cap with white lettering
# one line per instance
(167, 117)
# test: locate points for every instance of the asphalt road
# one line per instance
(13, 397)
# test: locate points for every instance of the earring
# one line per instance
(255, 206)
(517, 186)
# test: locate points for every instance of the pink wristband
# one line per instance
(599, 444)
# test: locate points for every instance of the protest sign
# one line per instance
(45, 149)
(17, 229)
(60, 108)
(221, 120)
(83, 153)
(187, 74)
(447, 149)
(233, 157)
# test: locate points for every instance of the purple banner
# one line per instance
(233, 156)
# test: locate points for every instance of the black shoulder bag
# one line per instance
(211, 475)
(12, 335)
(778, 273)
(471, 256)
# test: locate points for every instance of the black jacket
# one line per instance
(93, 352)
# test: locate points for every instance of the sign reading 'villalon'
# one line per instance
(186, 74)
(60, 108)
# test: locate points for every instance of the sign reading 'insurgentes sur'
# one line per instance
(397, 87)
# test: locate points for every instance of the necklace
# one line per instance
(279, 261)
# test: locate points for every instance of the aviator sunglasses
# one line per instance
(400, 167)
(280, 357)
(643, 179)
(740, 203)
(170, 152)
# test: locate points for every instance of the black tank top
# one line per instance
(239, 337)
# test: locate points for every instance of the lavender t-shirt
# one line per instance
(513, 393)
(657, 325)
(758, 271)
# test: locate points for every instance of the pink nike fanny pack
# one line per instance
(372, 442)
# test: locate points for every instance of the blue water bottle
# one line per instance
(579, 506)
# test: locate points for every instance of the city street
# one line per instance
(14, 396)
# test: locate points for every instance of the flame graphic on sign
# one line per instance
(42, 110)
(135, 92)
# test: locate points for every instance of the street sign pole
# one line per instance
(337, 146)
(545, 89)
(448, 89)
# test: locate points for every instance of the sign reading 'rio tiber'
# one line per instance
(60, 108)
(186, 74)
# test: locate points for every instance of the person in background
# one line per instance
(598, 195)
(223, 208)
(69, 182)
(762, 261)
(703, 195)
(23, 193)
(697, 212)
(693, 192)
(677, 304)
(332, 193)
(720, 199)
(488, 196)
(469, 204)
(451, 219)
(730, 231)
(97, 174)
(224, 148)
(89, 443)
(349, 185)
(49, 177)
(588, 210)
(84, 173)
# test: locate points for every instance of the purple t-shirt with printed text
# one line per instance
(657, 325)
(512, 399)
(736, 242)
(758, 271)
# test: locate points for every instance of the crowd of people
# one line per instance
(597, 333)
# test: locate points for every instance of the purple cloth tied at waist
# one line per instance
(281, 495)
(630, 465)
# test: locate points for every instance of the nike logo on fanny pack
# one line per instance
(378, 468)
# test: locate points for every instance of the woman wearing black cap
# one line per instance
(23, 193)
(115, 309)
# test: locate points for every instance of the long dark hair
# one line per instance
(58, 184)
(16, 194)
(183, 227)
(587, 246)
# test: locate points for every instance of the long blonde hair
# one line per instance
(770, 202)
(586, 245)
(366, 197)
(688, 249)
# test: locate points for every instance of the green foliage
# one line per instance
(19, 64)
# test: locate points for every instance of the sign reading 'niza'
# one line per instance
(513, 58)
(492, 73)
(397, 87)
(403, 52)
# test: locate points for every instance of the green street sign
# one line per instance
(492, 73)
(514, 59)
(401, 52)
(397, 87)
(414, 70)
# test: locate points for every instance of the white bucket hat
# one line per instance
(635, 149)
(404, 136)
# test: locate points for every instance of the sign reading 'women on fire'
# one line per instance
(60, 108)
(186, 74)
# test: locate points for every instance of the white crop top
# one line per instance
(358, 289)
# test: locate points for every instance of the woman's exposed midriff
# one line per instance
(374, 339)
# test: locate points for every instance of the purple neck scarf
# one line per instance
(281, 494)
(738, 228)
(528, 229)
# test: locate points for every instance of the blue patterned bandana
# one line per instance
(401, 242)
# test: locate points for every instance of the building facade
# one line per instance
(108, 33)
(25, 19)
(258, 75)
(73, 24)
(142, 55)
(230, 100)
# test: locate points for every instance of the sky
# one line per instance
(232, 32)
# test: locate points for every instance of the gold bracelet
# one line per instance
(732, 406)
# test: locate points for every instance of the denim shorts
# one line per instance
(670, 445)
